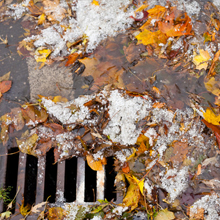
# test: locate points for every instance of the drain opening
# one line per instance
(30, 180)
(110, 174)
(50, 177)
(70, 180)
(90, 184)
(11, 174)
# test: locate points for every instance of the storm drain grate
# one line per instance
(68, 181)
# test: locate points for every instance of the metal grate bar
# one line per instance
(60, 181)
(119, 197)
(80, 180)
(3, 165)
(21, 179)
(40, 180)
(100, 184)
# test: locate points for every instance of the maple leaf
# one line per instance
(154, 14)
(174, 25)
(211, 117)
(147, 37)
(35, 209)
(200, 60)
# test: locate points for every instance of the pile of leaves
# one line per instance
(167, 158)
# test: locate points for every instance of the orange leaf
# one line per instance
(5, 86)
(71, 59)
(158, 105)
(126, 168)
(174, 25)
(141, 149)
(94, 164)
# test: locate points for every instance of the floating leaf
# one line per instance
(5, 86)
(211, 117)
(147, 37)
(94, 164)
(176, 24)
(200, 60)
(71, 59)
(5, 77)
(212, 85)
(165, 215)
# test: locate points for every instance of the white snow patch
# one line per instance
(211, 205)
(175, 182)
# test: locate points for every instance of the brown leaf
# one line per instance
(211, 70)
(180, 151)
(142, 148)
(44, 145)
(56, 128)
(5, 86)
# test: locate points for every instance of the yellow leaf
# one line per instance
(133, 154)
(133, 194)
(94, 2)
(165, 215)
(140, 184)
(5, 77)
(56, 213)
(59, 99)
(142, 138)
(141, 8)
(213, 86)
(27, 144)
(41, 55)
(41, 19)
(147, 37)
(25, 210)
(210, 117)
(94, 164)
(200, 60)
